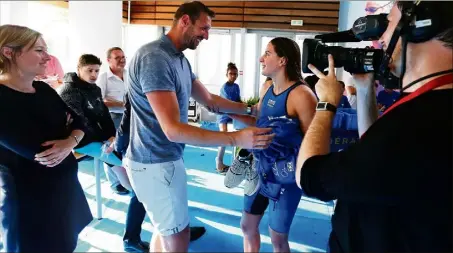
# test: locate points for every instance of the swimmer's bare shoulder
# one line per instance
(302, 105)
(264, 87)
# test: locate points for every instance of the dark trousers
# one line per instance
(8, 211)
(116, 117)
(134, 219)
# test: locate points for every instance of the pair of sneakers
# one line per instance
(243, 168)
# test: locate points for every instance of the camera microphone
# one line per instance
(345, 36)
(366, 28)
(353, 60)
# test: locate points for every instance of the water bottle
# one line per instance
(105, 146)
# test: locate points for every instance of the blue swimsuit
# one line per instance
(285, 197)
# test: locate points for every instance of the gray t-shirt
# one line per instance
(157, 66)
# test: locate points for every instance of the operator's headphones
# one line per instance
(423, 23)
(418, 23)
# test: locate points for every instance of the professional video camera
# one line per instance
(419, 22)
(353, 60)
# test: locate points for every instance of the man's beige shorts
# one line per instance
(162, 188)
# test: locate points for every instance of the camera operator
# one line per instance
(394, 187)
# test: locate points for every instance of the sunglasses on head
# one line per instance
(374, 9)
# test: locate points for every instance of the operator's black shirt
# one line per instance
(394, 187)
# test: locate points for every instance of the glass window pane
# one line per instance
(250, 59)
(5, 11)
(300, 41)
(264, 41)
(237, 55)
(190, 55)
(137, 36)
(213, 58)
(53, 22)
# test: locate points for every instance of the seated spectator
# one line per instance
(81, 94)
(113, 82)
(344, 103)
(386, 98)
(54, 73)
(351, 94)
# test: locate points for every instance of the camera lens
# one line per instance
(353, 60)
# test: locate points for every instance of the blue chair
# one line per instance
(94, 150)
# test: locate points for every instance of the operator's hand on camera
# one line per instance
(363, 81)
(328, 88)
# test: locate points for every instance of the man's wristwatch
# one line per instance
(249, 109)
(326, 106)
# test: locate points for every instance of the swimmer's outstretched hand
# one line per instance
(253, 138)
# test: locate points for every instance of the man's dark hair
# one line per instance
(88, 59)
(443, 12)
(109, 52)
(193, 10)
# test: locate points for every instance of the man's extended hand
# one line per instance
(328, 88)
(253, 138)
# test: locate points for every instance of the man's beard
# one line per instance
(190, 40)
(191, 43)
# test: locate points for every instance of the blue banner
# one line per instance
(344, 130)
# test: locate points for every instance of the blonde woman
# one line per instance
(42, 206)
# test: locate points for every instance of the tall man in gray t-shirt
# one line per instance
(160, 85)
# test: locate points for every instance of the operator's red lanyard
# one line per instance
(433, 84)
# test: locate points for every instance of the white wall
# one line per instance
(14, 12)
(95, 27)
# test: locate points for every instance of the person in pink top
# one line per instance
(54, 73)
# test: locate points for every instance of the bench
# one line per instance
(97, 173)
(78, 156)
(94, 150)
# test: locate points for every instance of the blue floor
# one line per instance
(211, 205)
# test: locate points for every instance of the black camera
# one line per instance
(353, 60)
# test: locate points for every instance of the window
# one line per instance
(213, 57)
(137, 36)
(250, 59)
(264, 41)
(191, 55)
(300, 41)
(53, 22)
(5, 11)
(237, 55)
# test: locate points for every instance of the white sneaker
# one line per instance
(251, 180)
(237, 172)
